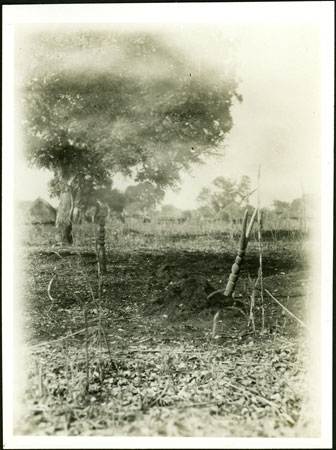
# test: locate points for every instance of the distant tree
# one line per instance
(244, 190)
(204, 197)
(281, 208)
(143, 196)
(227, 198)
(296, 208)
(187, 214)
(116, 201)
(224, 195)
(300, 208)
(96, 104)
(205, 211)
(204, 200)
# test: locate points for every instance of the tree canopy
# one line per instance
(226, 196)
(100, 103)
(143, 196)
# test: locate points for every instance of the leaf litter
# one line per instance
(161, 374)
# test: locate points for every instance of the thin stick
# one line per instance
(246, 196)
(252, 305)
(101, 238)
(304, 209)
(86, 347)
(249, 228)
(214, 324)
(67, 370)
(260, 257)
(285, 309)
(63, 338)
(100, 321)
(49, 292)
(194, 405)
(113, 363)
(262, 399)
(87, 278)
(40, 380)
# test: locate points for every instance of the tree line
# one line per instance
(225, 200)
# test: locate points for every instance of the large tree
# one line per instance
(228, 196)
(96, 104)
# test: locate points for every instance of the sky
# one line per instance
(277, 125)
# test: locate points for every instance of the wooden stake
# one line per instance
(235, 269)
(260, 257)
(231, 284)
(101, 240)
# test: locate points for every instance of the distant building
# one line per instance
(129, 215)
(41, 212)
(170, 214)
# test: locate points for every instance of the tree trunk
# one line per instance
(64, 218)
(79, 206)
(77, 215)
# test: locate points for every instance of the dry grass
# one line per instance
(113, 369)
(190, 235)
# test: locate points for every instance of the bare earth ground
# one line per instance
(143, 360)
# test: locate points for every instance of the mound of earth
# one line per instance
(184, 293)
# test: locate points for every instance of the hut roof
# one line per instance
(42, 212)
(170, 212)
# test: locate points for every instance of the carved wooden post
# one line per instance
(232, 281)
(101, 239)
(231, 284)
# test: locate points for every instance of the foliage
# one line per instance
(229, 192)
(227, 197)
(143, 196)
(280, 208)
(300, 209)
(116, 200)
(190, 390)
(100, 103)
(204, 199)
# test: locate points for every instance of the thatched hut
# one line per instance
(170, 214)
(41, 212)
